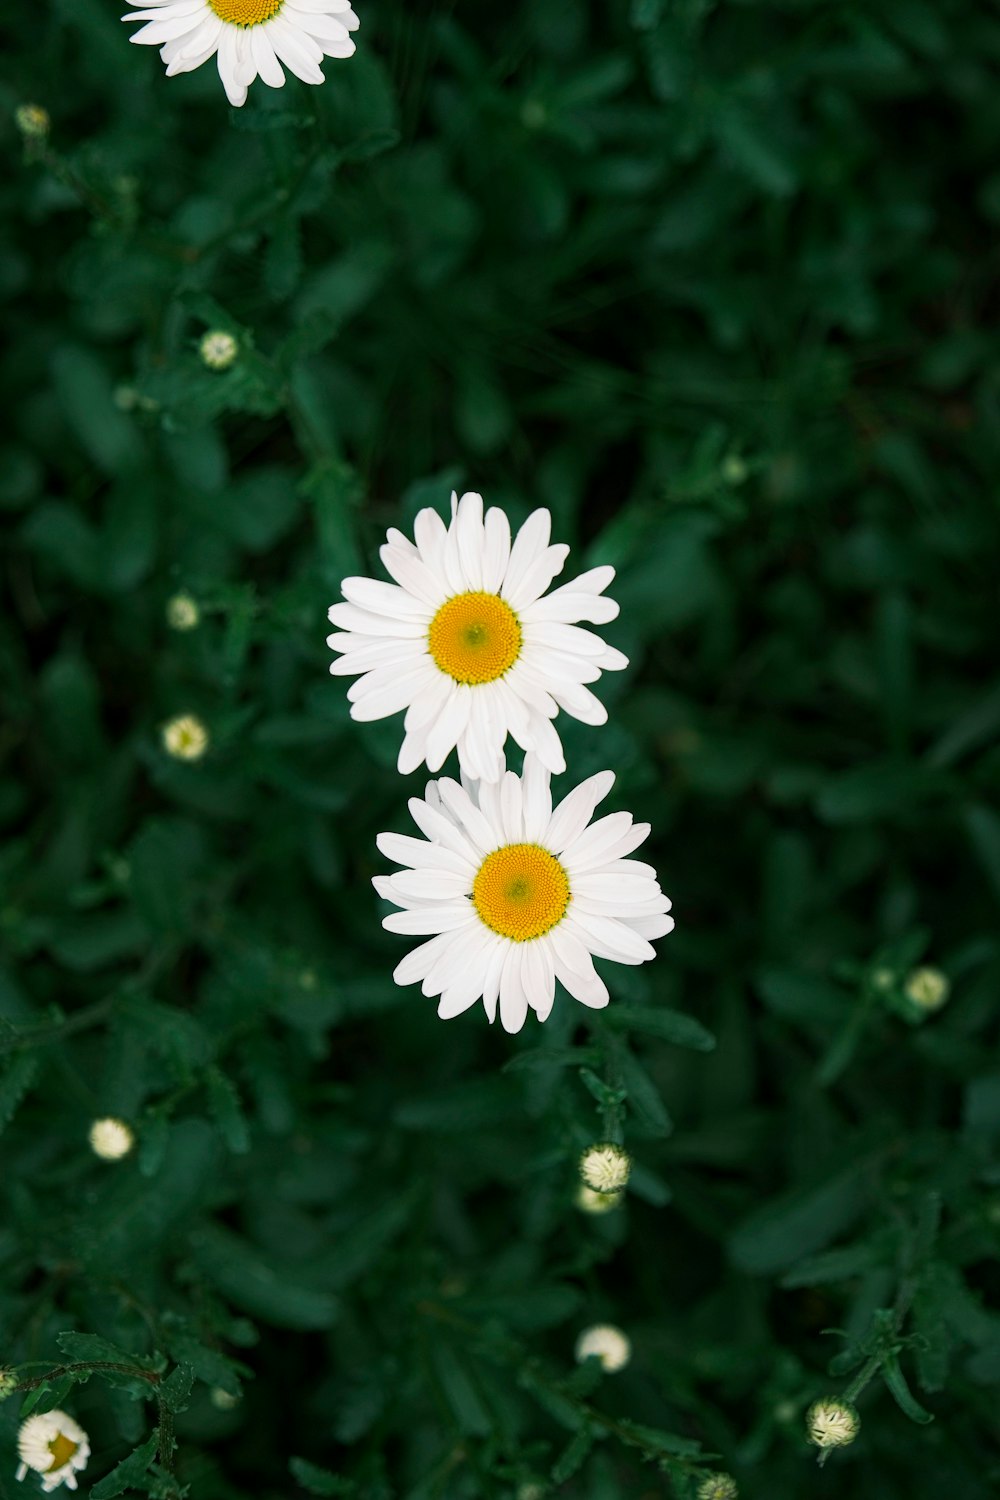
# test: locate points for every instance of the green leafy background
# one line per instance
(714, 282)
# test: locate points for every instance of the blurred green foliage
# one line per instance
(712, 281)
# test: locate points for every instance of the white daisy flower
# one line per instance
(247, 37)
(468, 642)
(54, 1446)
(512, 895)
(607, 1344)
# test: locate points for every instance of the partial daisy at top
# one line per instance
(509, 894)
(248, 38)
(468, 642)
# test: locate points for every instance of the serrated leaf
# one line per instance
(18, 1077)
(175, 1390)
(227, 1111)
(319, 1481)
(129, 1472)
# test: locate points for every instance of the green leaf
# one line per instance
(176, 1389)
(258, 1285)
(573, 1456)
(798, 1223)
(227, 1111)
(666, 1025)
(15, 1081)
(896, 1381)
(129, 1472)
(319, 1481)
(643, 1096)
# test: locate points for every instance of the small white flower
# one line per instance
(185, 738)
(468, 642)
(248, 38)
(590, 1202)
(54, 1446)
(605, 1167)
(608, 1343)
(832, 1424)
(110, 1139)
(218, 349)
(182, 612)
(512, 896)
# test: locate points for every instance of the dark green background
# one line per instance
(716, 283)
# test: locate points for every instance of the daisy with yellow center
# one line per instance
(511, 894)
(248, 38)
(55, 1446)
(468, 643)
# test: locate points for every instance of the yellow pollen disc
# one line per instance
(475, 638)
(246, 12)
(62, 1449)
(521, 891)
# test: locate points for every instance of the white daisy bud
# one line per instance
(590, 1202)
(222, 1400)
(185, 738)
(110, 1139)
(218, 349)
(718, 1487)
(8, 1384)
(32, 121)
(54, 1446)
(605, 1343)
(182, 612)
(927, 989)
(831, 1423)
(605, 1167)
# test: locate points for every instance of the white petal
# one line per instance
(513, 1000)
(575, 811)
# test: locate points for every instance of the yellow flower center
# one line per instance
(246, 12)
(62, 1449)
(521, 891)
(475, 638)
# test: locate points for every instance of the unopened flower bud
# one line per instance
(32, 121)
(605, 1167)
(8, 1384)
(182, 612)
(110, 1139)
(831, 1423)
(589, 1202)
(605, 1343)
(927, 989)
(218, 349)
(223, 1400)
(185, 738)
(718, 1487)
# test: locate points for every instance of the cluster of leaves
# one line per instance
(705, 277)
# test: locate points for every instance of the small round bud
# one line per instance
(218, 349)
(589, 1202)
(883, 979)
(605, 1343)
(718, 1487)
(8, 1384)
(223, 1400)
(832, 1424)
(185, 738)
(927, 989)
(734, 472)
(605, 1167)
(32, 121)
(182, 612)
(110, 1139)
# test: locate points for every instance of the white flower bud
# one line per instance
(110, 1139)
(831, 1423)
(185, 738)
(718, 1487)
(182, 612)
(606, 1343)
(218, 349)
(32, 121)
(927, 989)
(605, 1167)
(589, 1202)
